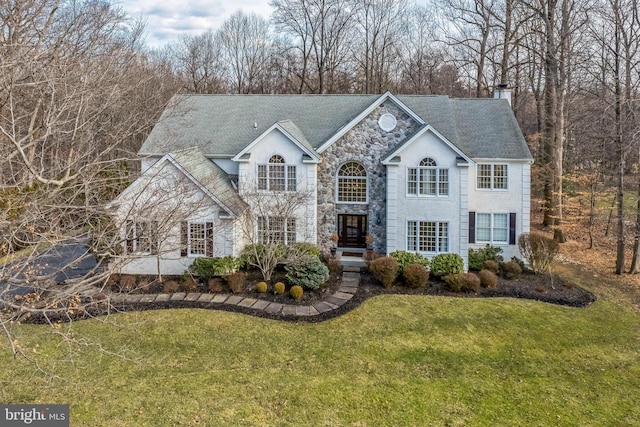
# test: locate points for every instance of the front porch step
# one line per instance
(351, 261)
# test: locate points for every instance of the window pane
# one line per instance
(484, 176)
(276, 177)
(291, 178)
(427, 236)
(500, 177)
(197, 239)
(443, 184)
(411, 181)
(352, 183)
(291, 230)
(428, 182)
(262, 177)
(483, 227)
(443, 234)
(500, 227)
(411, 236)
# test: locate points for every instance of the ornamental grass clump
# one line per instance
(384, 269)
(538, 250)
(415, 275)
(296, 291)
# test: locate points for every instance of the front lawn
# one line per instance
(395, 360)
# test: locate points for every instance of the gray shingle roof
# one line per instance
(211, 176)
(222, 125)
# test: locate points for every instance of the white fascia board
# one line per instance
(501, 160)
(276, 126)
(428, 128)
(365, 113)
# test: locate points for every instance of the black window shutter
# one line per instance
(472, 227)
(209, 239)
(183, 238)
(154, 237)
(512, 228)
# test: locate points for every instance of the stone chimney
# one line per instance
(502, 92)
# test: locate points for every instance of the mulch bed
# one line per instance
(545, 288)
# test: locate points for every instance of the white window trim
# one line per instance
(190, 246)
(417, 194)
(286, 166)
(337, 181)
(492, 177)
(151, 227)
(492, 241)
(437, 242)
(285, 231)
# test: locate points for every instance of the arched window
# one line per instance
(427, 179)
(352, 183)
(276, 175)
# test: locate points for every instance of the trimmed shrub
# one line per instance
(170, 287)
(252, 254)
(303, 249)
(278, 288)
(215, 285)
(188, 284)
(477, 257)
(488, 279)
(405, 258)
(415, 275)
(127, 282)
(443, 264)
(209, 267)
(236, 281)
(296, 291)
(308, 272)
(384, 269)
(491, 265)
(202, 267)
(262, 287)
(470, 282)
(511, 270)
(538, 250)
(462, 282)
(453, 282)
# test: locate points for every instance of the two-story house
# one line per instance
(424, 174)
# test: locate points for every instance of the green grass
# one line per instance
(396, 360)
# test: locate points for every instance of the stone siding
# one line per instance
(367, 144)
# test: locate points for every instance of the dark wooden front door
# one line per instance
(352, 230)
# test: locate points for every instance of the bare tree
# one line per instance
(246, 46)
(77, 96)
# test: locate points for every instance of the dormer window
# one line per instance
(276, 175)
(427, 179)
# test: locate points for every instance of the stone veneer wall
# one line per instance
(367, 144)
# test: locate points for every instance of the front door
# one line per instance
(352, 231)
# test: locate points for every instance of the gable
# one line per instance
(283, 138)
(183, 172)
(423, 144)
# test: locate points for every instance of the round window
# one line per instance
(387, 122)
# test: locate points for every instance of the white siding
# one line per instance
(427, 208)
(169, 198)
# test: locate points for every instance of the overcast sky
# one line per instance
(169, 19)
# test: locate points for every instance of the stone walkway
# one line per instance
(346, 291)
